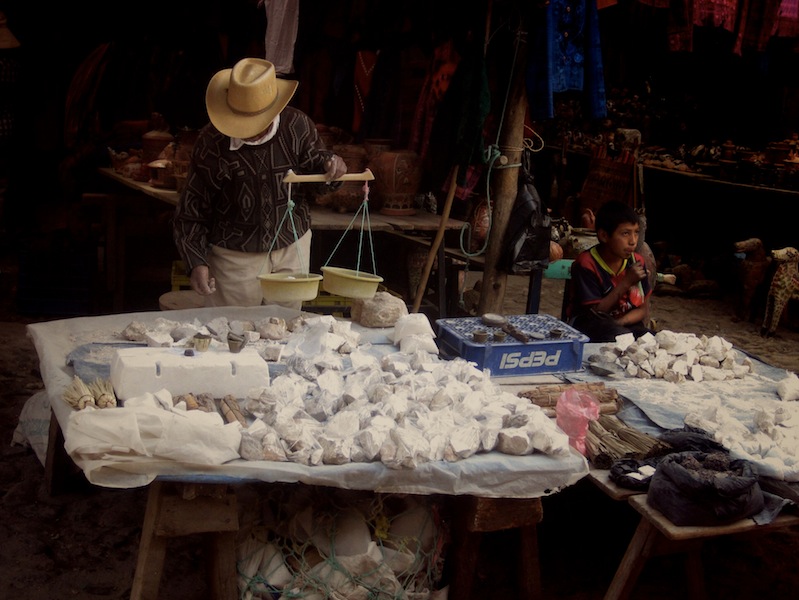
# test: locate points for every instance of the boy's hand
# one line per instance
(635, 273)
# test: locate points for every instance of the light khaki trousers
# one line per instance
(236, 273)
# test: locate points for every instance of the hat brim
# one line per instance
(237, 125)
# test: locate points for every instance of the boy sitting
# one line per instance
(609, 285)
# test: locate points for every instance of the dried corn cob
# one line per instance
(78, 395)
(103, 393)
(189, 399)
(231, 411)
(206, 402)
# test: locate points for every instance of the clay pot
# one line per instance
(398, 174)
(153, 143)
(186, 139)
(162, 174)
(480, 222)
(376, 146)
(555, 251)
(777, 152)
(332, 136)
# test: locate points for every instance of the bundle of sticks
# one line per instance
(608, 439)
(546, 396)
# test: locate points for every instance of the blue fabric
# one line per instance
(565, 55)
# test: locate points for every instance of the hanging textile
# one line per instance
(456, 138)
(365, 63)
(753, 22)
(442, 67)
(565, 55)
(282, 17)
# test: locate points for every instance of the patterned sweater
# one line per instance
(236, 199)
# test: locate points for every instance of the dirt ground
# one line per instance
(82, 542)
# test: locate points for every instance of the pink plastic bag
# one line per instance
(574, 410)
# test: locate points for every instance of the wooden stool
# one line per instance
(657, 535)
(475, 516)
(179, 299)
(185, 509)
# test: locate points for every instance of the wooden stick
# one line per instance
(431, 254)
(292, 177)
(547, 395)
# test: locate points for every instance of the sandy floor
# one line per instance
(82, 543)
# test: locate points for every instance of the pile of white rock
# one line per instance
(402, 410)
(672, 356)
(338, 399)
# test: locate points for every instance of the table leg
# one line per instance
(638, 552)
(694, 571)
(476, 516)
(194, 508)
(59, 469)
(466, 548)
(529, 570)
(152, 549)
(442, 282)
(223, 563)
(534, 291)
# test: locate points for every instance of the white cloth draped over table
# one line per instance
(487, 475)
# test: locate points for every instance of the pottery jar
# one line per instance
(398, 174)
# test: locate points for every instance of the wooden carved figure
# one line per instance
(644, 250)
(784, 288)
(751, 272)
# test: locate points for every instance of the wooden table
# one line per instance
(185, 500)
(657, 535)
(690, 211)
(422, 226)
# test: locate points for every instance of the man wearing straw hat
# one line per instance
(230, 224)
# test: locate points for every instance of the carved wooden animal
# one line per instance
(644, 250)
(751, 275)
(784, 288)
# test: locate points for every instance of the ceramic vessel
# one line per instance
(398, 174)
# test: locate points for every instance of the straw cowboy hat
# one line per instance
(244, 100)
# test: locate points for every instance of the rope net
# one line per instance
(318, 543)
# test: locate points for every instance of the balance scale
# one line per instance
(291, 287)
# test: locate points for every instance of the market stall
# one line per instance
(85, 345)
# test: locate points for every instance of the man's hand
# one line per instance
(335, 167)
(201, 282)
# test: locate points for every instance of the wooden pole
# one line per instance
(504, 187)
(431, 255)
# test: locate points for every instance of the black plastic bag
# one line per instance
(526, 244)
(699, 488)
(625, 473)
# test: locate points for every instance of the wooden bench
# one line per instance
(657, 535)
(476, 516)
(178, 509)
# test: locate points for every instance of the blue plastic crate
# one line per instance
(556, 347)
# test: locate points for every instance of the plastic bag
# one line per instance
(574, 410)
(700, 488)
(526, 243)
